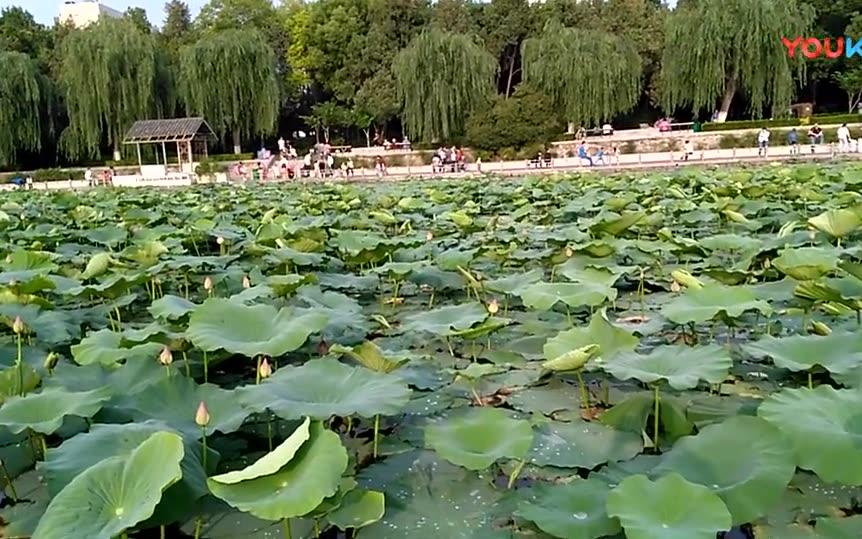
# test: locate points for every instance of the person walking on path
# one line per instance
(582, 153)
(815, 136)
(793, 142)
(763, 142)
(843, 139)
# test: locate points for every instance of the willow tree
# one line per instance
(590, 75)
(716, 48)
(440, 79)
(20, 100)
(229, 77)
(110, 74)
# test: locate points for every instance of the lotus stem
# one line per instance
(376, 433)
(515, 473)
(269, 431)
(656, 412)
(449, 345)
(606, 392)
(286, 523)
(476, 396)
(316, 528)
(9, 482)
(19, 366)
(859, 318)
(431, 301)
(44, 447)
(585, 396)
(162, 531)
(257, 372)
(641, 293)
(198, 525)
(810, 381)
(349, 424)
(206, 367)
(569, 315)
(186, 362)
(204, 449)
(119, 320)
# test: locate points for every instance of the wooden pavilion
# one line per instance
(191, 136)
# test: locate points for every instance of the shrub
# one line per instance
(826, 119)
(528, 117)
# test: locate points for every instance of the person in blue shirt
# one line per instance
(793, 141)
(582, 152)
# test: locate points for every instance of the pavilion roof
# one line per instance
(170, 130)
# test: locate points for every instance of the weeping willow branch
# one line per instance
(20, 98)
(714, 47)
(229, 77)
(591, 75)
(441, 78)
(109, 75)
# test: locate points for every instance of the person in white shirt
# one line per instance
(88, 175)
(762, 142)
(843, 138)
(689, 150)
(282, 145)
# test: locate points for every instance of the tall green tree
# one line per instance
(506, 23)
(178, 24)
(591, 75)
(229, 77)
(110, 75)
(20, 105)
(138, 17)
(19, 32)
(715, 49)
(441, 78)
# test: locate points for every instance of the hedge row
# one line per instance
(825, 119)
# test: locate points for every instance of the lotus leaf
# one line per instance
(580, 444)
(44, 412)
(670, 508)
(325, 387)
(446, 320)
(750, 479)
(682, 367)
(221, 324)
(824, 426)
(116, 493)
(839, 353)
(359, 508)
(806, 263)
(700, 305)
(272, 461)
(370, 356)
(610, 339)
(570, 511)
(543, 296)
(479, 437)
(303, 481)
(171, 307)
(837, 223)
(105, 347)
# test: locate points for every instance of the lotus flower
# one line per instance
(166, 357)
(493, 306)
(18, 325)
(265, 370)
(202, 417)
(208, 284)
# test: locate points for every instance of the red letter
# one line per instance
(839, 50)
(791, 46)
(806, 48)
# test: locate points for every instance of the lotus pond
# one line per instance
(665, 356)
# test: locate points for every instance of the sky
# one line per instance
(45, 10)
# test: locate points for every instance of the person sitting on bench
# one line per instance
(582, 153)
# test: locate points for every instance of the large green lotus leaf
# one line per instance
(576, 270)
(51, 327)
(614, 224)
(325, 387)
(543, 296)
(570, 511)
(285, 285)
(44, 411)
(824, 426)
(358, 509)
(806, 263)
(556, 396)
(106, 348)
(610, 338)
(700, 305)
(839, 528)
(730, 242)
(251, 330)
(422, 490)
(682, 366)
(105, 441)
(312, 475)
(580, 444)
(837, 223)
(370, 356)
(512, 284)
(839, 353)
(670, 508)
(272, 461)
(446, 320)
(631, 415)
(479, 437)
(751, 479)
(171, 307)
(115, 494)
(175, 400)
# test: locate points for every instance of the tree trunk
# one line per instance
(511, 74)
(729, 92)
(117, 154)
(367, 132)
(237, 147)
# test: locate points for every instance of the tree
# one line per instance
(506, 24)
(590, 75)
(110, 74)
(378, 99)
(138, 17)
(528, 117)
(441, 78)
(229, 77)
(19, 32)
(850, 78)
(178, 24)
(21, 99)
(454, 16)
(325, 116)
(715, 48)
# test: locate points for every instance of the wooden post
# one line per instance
(179, 157)
(165, 155)
(191, 159)
(138, 146)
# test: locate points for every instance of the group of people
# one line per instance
(595, 156)
(448, 159)
(105, 177)
(815, 137)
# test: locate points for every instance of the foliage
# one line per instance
(441, 78)
(823, 120)
(21, 97)
(526, 118)
(590, 75)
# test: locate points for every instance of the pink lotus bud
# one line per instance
(265, 370)
(202, 417)
(246, 283)
(208, 284)
(166, 357)
(18, 325)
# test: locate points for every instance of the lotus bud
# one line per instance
(265, 370)
(819, 328)
(51, 361)
(208, 284)
(811, 235)
(767, 264)
(569, 252)
(686, 279)
(493, 306)
(166, 357)
(573, 360)
(202, 417)
(18, 325)
(246, 283)
(429, 236)
(220, 240)
(675, 287)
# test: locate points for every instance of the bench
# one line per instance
(681, 125)
(545, 162)
(398, 146)
(341, 149)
